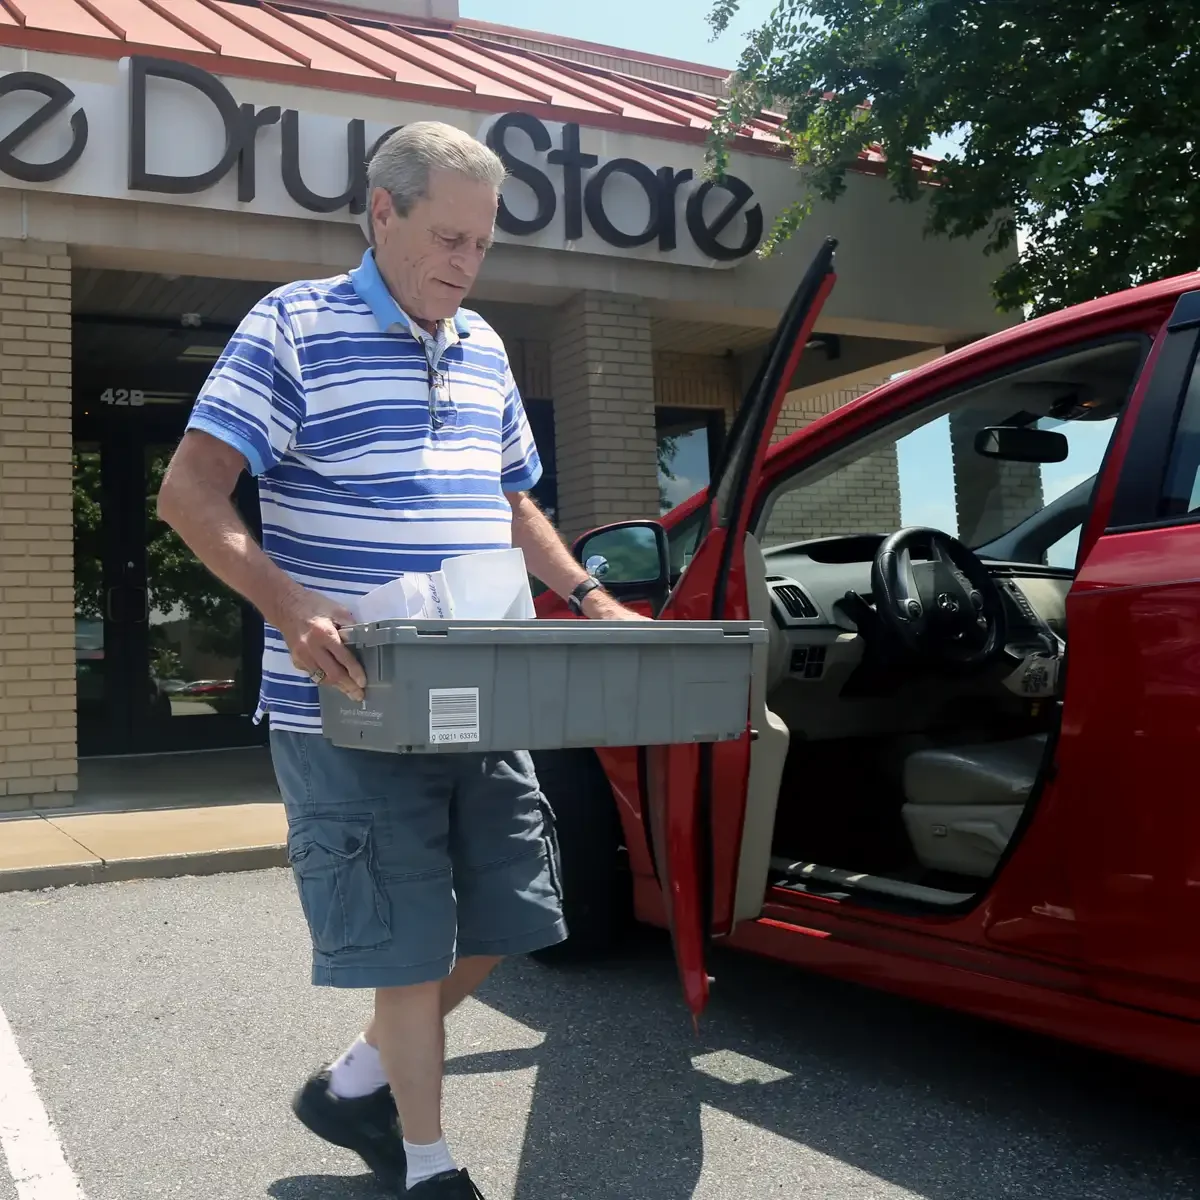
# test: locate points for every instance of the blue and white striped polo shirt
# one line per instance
(325, 389)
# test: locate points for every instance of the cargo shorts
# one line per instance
(406, 862)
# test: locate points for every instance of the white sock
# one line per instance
(359, 1071)
(424, 1162)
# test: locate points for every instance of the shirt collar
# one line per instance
(373, 292)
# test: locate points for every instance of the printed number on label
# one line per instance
(453, 715)
(123, 397)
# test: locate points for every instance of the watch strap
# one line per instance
(581, 592)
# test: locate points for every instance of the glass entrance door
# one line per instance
(167, 658)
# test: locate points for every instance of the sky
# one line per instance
(674, 28)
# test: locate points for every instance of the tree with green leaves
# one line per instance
(1076, 124)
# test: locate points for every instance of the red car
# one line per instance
(969, 768)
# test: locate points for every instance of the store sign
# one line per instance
(187, 138)
(58, 98)
(660, 190)
(241, 124)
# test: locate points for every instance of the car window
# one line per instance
(1064, 552)
(927, 468)
(684, 538)
(1181, 488)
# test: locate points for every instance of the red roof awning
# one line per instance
(440, 63)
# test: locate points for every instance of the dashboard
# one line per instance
(816, 646)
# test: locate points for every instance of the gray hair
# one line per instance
(402, 164)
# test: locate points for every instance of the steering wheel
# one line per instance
(949, 609)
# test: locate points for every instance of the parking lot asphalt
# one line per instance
(166, 1023)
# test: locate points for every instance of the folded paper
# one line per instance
(491, 585)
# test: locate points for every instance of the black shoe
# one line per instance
(449, 1185)
(366, 1124)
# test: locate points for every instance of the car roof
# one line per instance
(1131, 300)
(1146, 297)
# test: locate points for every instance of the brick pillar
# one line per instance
(603, 380)
(37, 603)
(991, 496)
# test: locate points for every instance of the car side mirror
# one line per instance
(1019, 443)
(631, 558)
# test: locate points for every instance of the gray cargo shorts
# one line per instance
(406, 862)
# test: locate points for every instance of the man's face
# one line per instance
(430, 257)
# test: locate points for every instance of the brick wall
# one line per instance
(696, 381)
(603, 386)
(606, 387)
(861, 497)
(530, 362)
(797, 414)
(37, 607)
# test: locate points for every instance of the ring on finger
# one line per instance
(318, 676)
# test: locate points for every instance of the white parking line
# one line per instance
(35, 1157)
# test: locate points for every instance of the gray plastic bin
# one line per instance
(444, 686)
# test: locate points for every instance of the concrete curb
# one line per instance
(159, 866)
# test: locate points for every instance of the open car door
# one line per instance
(696, 794)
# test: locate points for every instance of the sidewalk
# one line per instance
(178, 815)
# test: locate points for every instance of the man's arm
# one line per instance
(195, 499)
(550, 561)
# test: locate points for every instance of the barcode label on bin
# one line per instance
(453, 715)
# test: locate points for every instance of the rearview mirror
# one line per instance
(1017, 443)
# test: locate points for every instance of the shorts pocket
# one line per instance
(332, 859)
(553, 850)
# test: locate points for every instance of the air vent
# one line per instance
(796, 602)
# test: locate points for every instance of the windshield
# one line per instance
(1007, 466)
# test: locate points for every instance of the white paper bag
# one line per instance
(491, 585)
(412, 595)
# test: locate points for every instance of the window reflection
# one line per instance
(89, 581)
(195, 622)
(688, 447)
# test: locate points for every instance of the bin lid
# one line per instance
(408, 631)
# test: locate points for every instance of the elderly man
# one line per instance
(386, 430)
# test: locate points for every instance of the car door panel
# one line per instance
(697, 794)
(1134, 746)
(1131, 730)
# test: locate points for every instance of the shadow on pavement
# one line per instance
(327, 1187)
(941, 1105)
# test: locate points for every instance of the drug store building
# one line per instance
(164, 163)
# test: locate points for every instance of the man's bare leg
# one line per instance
(467, 975)
(360, 1070)
(409, 1032)
(411, 1041)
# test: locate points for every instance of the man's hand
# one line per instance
(600, 606)
(309, 624)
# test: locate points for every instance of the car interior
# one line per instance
(912, 685)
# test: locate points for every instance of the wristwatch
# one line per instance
(581, 592)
